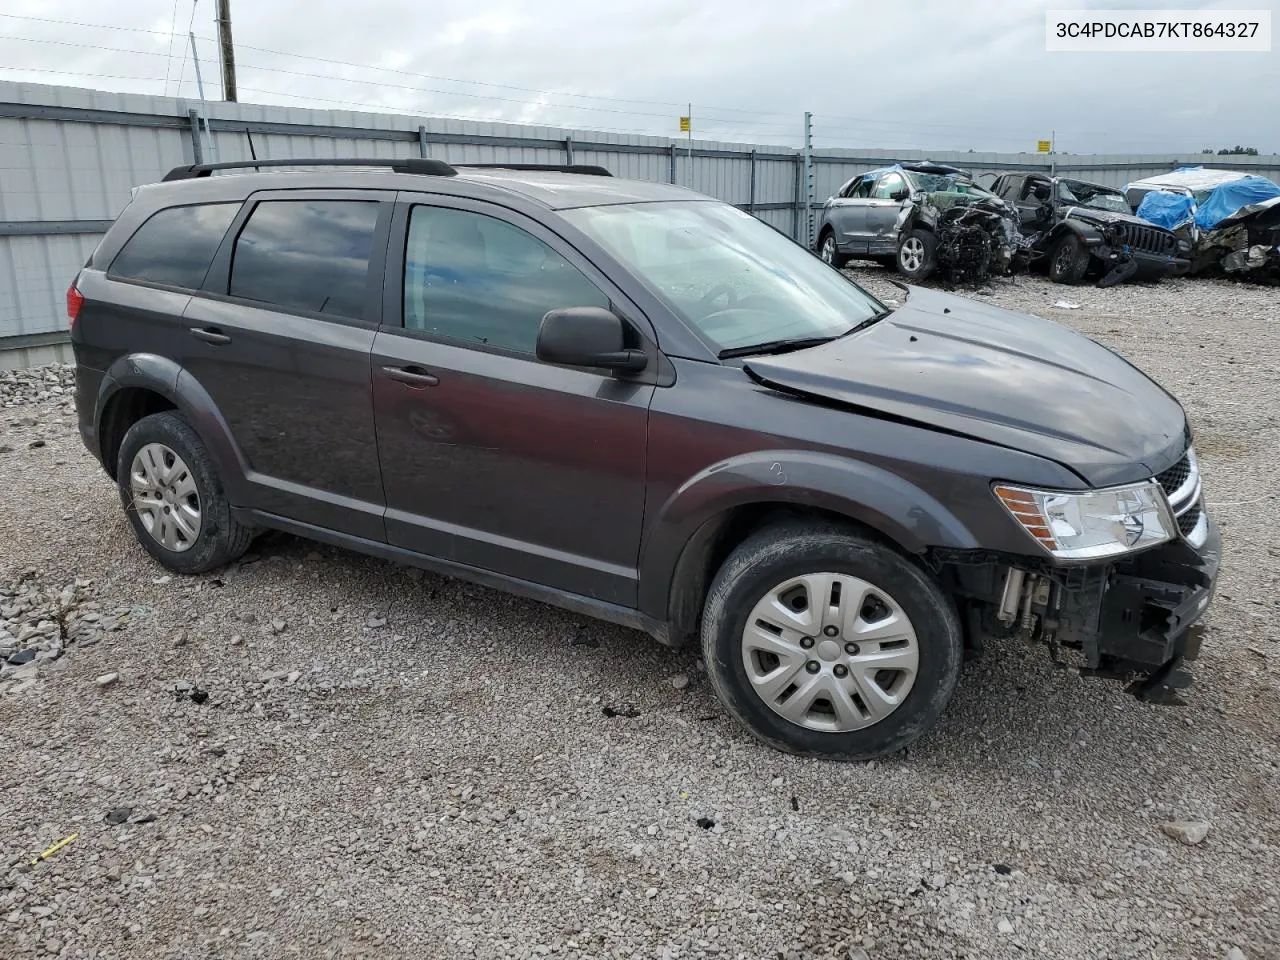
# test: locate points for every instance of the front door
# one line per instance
(280, 338)
(490, 457)
(883, 210)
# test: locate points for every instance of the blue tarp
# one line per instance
(1168, 210)
(1230, 197)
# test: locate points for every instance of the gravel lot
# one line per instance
(315, 754)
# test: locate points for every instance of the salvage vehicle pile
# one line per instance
(1229, 220)
(929, 219)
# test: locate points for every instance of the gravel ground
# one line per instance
(316, 754)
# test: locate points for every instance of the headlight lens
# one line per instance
(1094, 524)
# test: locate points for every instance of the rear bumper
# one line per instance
(88, 387)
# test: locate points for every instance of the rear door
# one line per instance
(490, 457)
(847, 214)
(280, 338)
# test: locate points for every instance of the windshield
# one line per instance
(1081, 194)
(730, 276)
(945, 183)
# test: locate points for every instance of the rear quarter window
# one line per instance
(175, 247)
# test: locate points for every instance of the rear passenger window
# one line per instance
(175, 246)
(306, 255)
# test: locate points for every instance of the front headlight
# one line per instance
(1094, 524)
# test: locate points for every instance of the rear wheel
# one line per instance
(824, 643)
(173, 498)
(1068, 260)
(917, 255)
(829, 252)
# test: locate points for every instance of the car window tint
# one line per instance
(862, 189)
(309, 255)
(175, 246)
(478, 279)
(889, 184)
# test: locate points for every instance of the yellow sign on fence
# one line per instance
(1044, 146)
(686, 124)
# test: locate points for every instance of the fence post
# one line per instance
(751, 188)
(197, 149)
(422, 141)
(568, 150)
(673, 162)
(797, 211)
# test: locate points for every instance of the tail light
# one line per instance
(74, 302)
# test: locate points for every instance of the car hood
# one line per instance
(964, 367)
(1089, 215)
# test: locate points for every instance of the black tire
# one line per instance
(221, 538)
(1068, 260)
(924, 269)
(837, 259)
(776, 554)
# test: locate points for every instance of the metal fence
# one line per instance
(69, 158)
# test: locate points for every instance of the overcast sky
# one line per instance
(928, 74)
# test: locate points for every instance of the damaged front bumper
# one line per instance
(1138, 618)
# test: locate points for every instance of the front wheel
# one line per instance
(1068, 260)
(824, 643)
(917, 255)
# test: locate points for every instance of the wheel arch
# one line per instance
(138, 385)
(703, 521)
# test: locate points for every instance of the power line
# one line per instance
(173, 22)
(411, 73)
(183, 72)
(389, 85)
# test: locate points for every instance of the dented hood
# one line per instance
(953, 364)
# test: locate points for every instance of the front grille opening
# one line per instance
(1175, 476)
(1187, 522)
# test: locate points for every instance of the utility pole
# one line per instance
(690, 183)
(228, 52)
(808, 179)
(195, 58)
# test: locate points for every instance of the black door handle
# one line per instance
(411, 376)
(210, 335)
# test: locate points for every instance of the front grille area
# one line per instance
(1149, 239)
(1187, 522)
(1175, 476)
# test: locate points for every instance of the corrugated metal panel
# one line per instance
(82, 168)
(34, 275)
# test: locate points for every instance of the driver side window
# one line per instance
(477, 279)
(889, 184)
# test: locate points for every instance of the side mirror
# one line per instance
(587, 337)
(899, 195)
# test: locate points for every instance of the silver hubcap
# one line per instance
(911, 256)
(165, 497)
(830, 652)
(829, 250)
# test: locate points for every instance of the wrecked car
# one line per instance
(1229, 219)
(1086, 229)
(922, 218)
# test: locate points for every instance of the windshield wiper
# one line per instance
(777, 346)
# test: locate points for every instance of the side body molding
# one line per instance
(868, 494)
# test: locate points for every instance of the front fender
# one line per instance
(168, 379)
(1087, 232)
(883, 501)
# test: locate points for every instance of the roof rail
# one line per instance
(590, 169)
(431, 168)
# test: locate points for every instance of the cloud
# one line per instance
(932, 74)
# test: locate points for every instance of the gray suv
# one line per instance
(646, 406)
